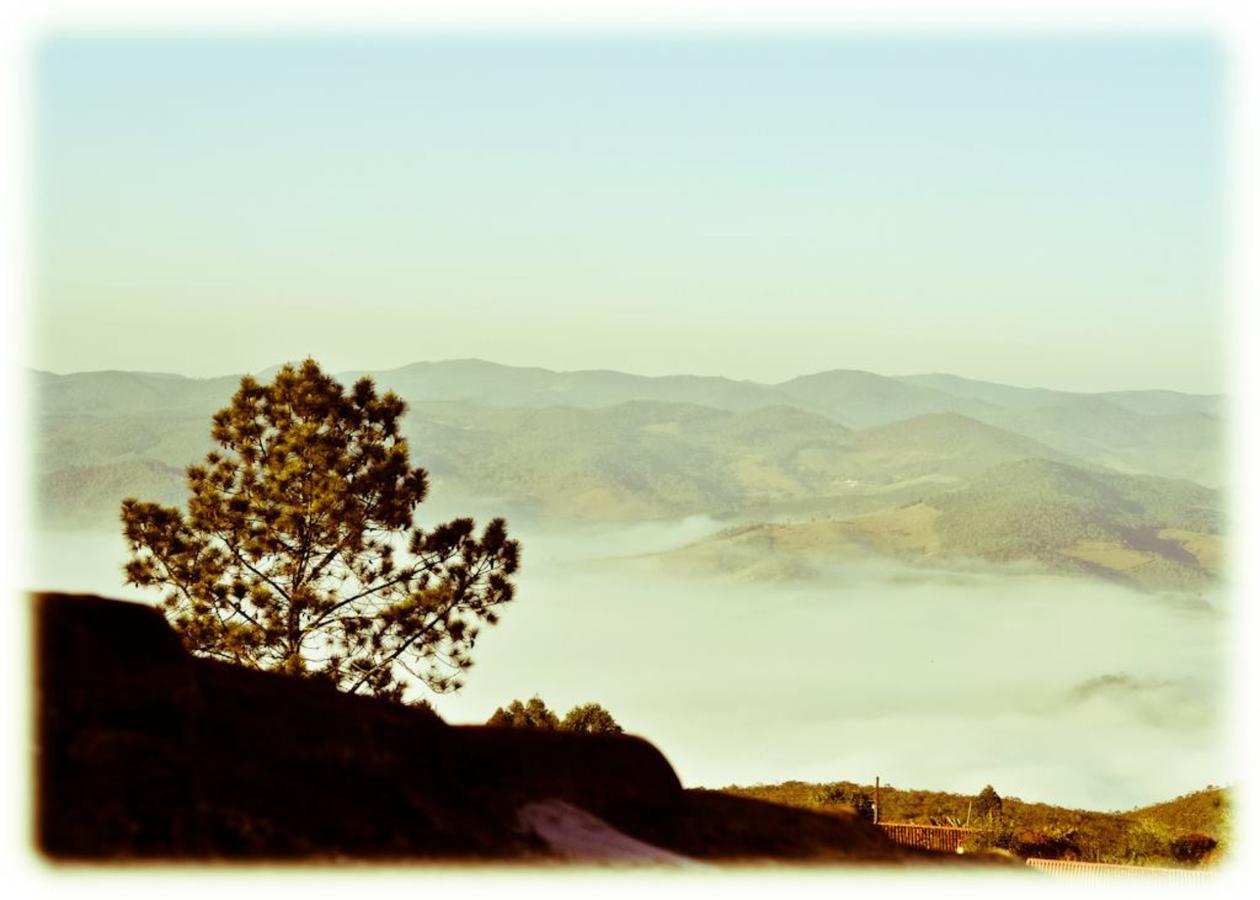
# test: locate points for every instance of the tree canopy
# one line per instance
(298, 551)
(588, 718)
(531, 714)
(848, 795)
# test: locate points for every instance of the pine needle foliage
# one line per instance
(298, 552)
(988, 803)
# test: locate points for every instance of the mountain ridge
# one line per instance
(910, 378)
(1177, 435)
(582, 448)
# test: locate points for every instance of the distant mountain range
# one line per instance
(1120, 483)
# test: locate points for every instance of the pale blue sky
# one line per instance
(1021, 209)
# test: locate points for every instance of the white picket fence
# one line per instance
(1110, 872)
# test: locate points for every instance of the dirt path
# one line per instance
(575, 834)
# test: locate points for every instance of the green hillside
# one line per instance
(635, 460)
(1164, 403)
(946, 443)
(78, 496)
(659, 459)
(482, 383)
(1130, 527)
(861, 399)
(1140, 836)
(1001, 396)
(120, 393)
(1149, 532)
(1005, 396)
(1185, 445)
(1206, 811)
(80, 439)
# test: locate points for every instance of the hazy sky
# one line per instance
(1032, 211)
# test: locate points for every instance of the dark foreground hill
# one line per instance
(145, 752)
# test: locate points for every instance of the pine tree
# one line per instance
(988, 803)
(298, 551)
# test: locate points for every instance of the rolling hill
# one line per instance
(919, 467)
(1005, 396)
(946, 443)
(482, 383)
(1148, 532)
(90, 496)
(1174, 445)
(1145, 432)
(861, 399)
(636, 460)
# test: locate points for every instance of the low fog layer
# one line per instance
(1050, 688)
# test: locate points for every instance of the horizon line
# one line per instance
(487, 362)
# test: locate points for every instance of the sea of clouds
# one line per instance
(1057, 689)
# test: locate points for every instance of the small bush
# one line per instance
(1192, 848)
(840, 795)
(1032, 844)
(1148, 842)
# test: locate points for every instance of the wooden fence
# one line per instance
(1109, 872)
(942, 838)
